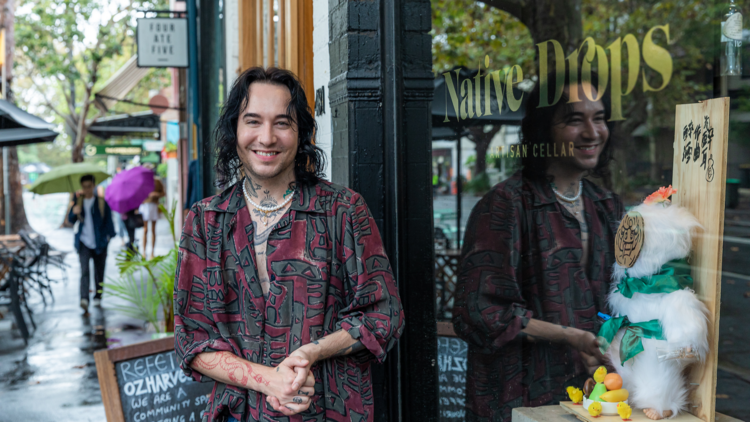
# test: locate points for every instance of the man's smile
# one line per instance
(266, 153)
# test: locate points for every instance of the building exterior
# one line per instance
(370, 69)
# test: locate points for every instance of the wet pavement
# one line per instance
(54, 378)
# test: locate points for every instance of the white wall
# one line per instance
(231, 42)
(322, 74)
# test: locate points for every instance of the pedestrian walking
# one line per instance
(121, 228)
(284, 294)
(149, 209)
(95, 229)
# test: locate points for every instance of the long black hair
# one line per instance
(536, 127)
(309, 161)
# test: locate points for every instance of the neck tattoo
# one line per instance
(261, 208)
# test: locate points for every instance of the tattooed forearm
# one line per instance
(333, 345)
(207, 362)
(354, 348)
(236, 370)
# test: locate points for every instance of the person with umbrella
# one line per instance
(95, 229)
(125, 195)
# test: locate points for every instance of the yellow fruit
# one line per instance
(613, 382)
(615, 395)
(600, 373)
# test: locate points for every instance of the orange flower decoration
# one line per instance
(662, 195)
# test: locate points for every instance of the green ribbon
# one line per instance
(673, 276)
(631, 343)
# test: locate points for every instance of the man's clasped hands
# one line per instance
(290, 386)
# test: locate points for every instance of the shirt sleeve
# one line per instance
(372, 311)
(490, 309)
(72, 217)
(194, 327)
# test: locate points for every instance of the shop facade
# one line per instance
(372, 72)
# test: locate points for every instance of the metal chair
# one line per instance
(41, 255)
(13, 293)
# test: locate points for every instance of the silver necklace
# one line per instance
(265, 210)
(567, 198)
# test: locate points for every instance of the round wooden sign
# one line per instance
(629, 239)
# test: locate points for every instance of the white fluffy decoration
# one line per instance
(653, 384)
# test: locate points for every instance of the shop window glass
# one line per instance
(490, 60)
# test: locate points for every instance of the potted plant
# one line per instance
(147, 285)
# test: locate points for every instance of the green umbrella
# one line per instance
(67, 178)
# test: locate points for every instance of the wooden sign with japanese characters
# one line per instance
(700, 161)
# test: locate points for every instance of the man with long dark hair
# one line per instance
(284, 294)
(537, 258)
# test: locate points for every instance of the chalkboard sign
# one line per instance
(144, 383)
(452, 353)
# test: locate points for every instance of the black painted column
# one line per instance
(380, 94)
(210, 86)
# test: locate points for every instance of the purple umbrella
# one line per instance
(129, 189)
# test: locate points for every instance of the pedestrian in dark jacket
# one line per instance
(95, 229)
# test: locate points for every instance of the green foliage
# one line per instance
(479, 184)
(170, 216)
(66, 51)
(147, 285)
(464, 31)
(141, 300)
(161, 170)
(52, 153)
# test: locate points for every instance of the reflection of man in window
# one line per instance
(536, 262)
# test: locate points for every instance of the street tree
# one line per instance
(65, 45)
(464, 32)
(511, 29)
(18, 219)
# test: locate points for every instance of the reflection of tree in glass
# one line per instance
(465, 30)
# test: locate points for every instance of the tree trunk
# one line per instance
(81, 130)
(482, 143)
(18, 219)
(558, 20)
(17, 212)
(77, 152)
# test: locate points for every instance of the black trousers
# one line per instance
(131, 237)
(84, 255)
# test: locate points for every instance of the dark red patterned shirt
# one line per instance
(521, 259)
(328, 272)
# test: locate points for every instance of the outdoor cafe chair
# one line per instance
(13, 292)
(46, 255)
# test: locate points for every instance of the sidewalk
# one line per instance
(54, 378)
